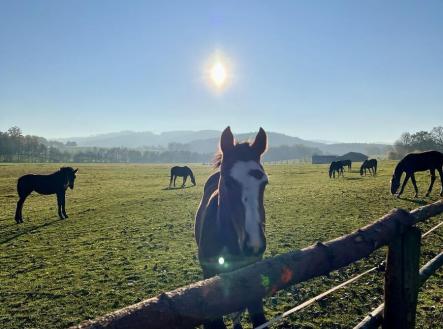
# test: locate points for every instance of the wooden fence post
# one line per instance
(402, 281)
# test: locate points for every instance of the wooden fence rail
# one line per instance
(189, 306)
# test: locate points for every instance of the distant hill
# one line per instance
(205, 141)
(134, 139)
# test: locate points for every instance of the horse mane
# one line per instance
(217, 160)
(66, 169)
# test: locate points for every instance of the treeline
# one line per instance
(17, 147)
(294, 152)
(417, 142)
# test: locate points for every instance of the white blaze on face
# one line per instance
(250, 185)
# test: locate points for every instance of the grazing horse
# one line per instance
(55, 183)
(182, 172)
(347, 163)
(230, 221)
(335, 166)
(413, 162)
(370, 165)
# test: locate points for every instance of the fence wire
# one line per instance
(324, 294)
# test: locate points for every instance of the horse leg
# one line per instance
(18, 211)
(170, 181)
(59, 204)
(175, 178)
(404, 184)
(236, 320)
(432, 182)
(415, 185)
(214, 324)
(256, 313)
(63, 206)
(440, 171)
(184, 181)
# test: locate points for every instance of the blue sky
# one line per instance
(333, 70)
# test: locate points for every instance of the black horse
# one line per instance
(413, 162)
(182, 172)
(336, 166)
(370, 165)
(347, 163)
(55, 183)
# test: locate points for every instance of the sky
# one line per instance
(350, 71)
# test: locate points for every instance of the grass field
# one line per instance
(129, 238)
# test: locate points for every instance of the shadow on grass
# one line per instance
(30, 294)
(27, 231)
(353, 178)
(176, 188)
(420, 202)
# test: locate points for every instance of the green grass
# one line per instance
(128, 238)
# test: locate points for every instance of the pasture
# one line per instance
(128, 238)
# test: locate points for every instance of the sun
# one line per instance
(218, 74)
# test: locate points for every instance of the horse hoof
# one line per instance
(66, 216)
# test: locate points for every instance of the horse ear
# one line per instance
(75, 170)
(226, 140)
(261, 142)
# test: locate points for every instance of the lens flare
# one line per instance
(221, 260)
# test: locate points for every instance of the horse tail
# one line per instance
(22, 184)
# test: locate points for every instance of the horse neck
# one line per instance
(228, 229)
(399, 169)
(61, 176)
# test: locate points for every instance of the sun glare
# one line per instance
(218, 74)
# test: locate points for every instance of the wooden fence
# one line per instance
(189, 306)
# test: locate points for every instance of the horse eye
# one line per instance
(256, 173)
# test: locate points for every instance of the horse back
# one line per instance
(43, 184)
(422, 161)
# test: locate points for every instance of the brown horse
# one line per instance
(413, 162)
(230, 221)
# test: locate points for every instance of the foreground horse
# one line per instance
(370, 165)
(230, 221)
(347, 163)
(335, 166)
(56, 183)
(182, 172)
(413, 162)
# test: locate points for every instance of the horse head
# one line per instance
(395, 183)
(363, 166)
(69, 173)
(191, 174)
(241, 188)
